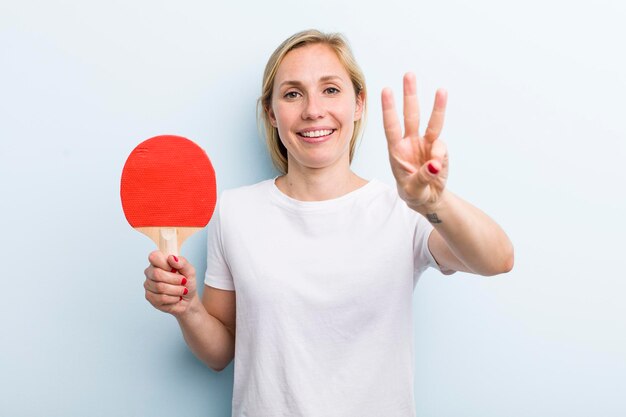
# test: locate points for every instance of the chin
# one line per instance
(320, 163)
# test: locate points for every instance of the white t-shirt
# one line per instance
(324, 300)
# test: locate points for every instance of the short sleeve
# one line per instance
(423, 259)
(217, 271)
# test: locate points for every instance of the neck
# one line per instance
(319, 184)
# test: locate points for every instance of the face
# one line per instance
(314, 108)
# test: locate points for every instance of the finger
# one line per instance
(433, 167)
(160, 275)
(171, 261)
(391, 123)
(182, 266)
(411, 106)
(158, 260)
(439, 151)
(428, 171)
(435, 124)
(161, 300)
(165, 289)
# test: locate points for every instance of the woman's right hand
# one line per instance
(170, 283)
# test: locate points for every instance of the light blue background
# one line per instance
(535, 129)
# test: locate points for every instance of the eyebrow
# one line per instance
(325, 78)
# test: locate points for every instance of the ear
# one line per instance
(271, 115)
(360, 103)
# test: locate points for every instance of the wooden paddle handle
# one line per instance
(168, 241)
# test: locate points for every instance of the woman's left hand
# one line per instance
(419, 163)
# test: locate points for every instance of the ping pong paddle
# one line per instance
(168, 190)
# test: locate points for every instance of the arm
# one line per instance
(211, 337)
(208, 326)
(465, 238)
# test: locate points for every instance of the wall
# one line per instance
(536, 138)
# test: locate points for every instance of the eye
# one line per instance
(291, 94)
(332, 90)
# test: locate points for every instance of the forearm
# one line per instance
(207, 337)
(472, 236)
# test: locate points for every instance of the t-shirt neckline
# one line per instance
(322, 205)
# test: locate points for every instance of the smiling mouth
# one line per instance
(316, 135)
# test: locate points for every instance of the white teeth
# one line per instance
(316, 133)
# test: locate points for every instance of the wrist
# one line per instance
(432, 210)
(194, 307)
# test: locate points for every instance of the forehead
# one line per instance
(310, 63)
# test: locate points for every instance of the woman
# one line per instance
(321, 263)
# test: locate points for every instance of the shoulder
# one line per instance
(243, 204)
(387, 201)
(383, 190)
(384, 195)
(245, 195)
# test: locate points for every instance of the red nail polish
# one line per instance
(186, 291)
(175, 258)
(432, 169)
(181, 299)
(184, 281)
(173, 270)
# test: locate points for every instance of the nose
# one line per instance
(313, 108)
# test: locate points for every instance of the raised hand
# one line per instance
(419, 163)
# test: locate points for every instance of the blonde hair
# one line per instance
(340, 46)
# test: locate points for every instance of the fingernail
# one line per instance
(175, 258)
(173, 270)
(432, 169)
(183, 281)
(186, 291)
(181, 299)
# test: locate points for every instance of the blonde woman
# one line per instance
(310, 275)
